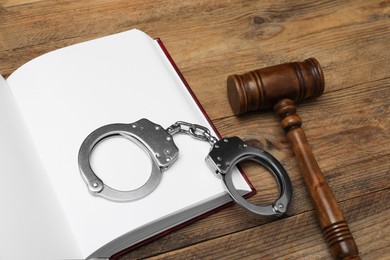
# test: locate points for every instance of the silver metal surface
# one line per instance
(196, 131)
(222, 158)
(226, 153)
(149, 136)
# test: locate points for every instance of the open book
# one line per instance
(47, 108)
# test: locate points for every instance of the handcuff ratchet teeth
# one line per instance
(158, 142)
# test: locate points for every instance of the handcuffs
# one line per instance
(159, 144)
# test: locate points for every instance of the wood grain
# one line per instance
(298, 237)
(347, 127)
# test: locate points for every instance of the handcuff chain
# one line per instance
(196, 131)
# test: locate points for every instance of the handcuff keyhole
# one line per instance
(120, 163)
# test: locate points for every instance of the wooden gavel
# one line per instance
(280, 87)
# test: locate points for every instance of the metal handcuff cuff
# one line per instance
(158, 142)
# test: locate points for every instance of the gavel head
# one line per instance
(263, 88)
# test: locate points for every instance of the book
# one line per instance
(47, 108)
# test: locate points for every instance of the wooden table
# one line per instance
(347, 127)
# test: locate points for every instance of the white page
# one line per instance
(68, 93)
(31, 216)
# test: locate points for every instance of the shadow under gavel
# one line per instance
(280, 87)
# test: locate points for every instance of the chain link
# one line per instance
(196, 131)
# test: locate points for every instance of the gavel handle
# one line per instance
(336, 231)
